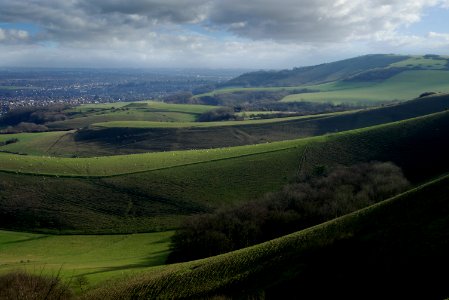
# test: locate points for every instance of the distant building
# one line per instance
(4, 107)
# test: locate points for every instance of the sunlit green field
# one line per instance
(85, 115)
(404, 86)
(421, 62)
(126, 164)
(97, 257)
(38, 143)
(151, 124)
(135, 163)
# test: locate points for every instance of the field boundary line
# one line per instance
(142, 171)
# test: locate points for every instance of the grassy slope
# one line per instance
(127, 164)
(315, 74)
(430, 73)
(158, 199)
(150, 124)
(125, 140)
(394, 249)
(96, 257)
(403, 86)
(422, 62)
(39, 143)
(165, 136)
(88, 114)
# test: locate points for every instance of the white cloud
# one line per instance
(250, 33)
(315, 21)
(13, 35)
(440, 36)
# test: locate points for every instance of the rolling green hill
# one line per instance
(128, 137)
(315, 74)
(85, 115)
(403, 86)
(394, 249)
(363, 81)
(154, 191)
(96, 257)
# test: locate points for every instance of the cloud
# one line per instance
(315, 21)
(280, 20)
(13, 36)
(206, 32)
(440, 36)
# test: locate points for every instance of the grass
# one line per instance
(87, 114)
(317, 87)
(160, 189)
(406, 85)
(127, 164)
(152, 105)
(39, 143)
(149, 124)
(155, 191)
(96, 257)
(138, 137)
(112, 138)
(421, 62)
(432, 76)
(249, 89)
(400, 244)
(80, 122)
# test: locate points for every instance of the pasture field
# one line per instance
(422, 62)
(406, 85)
(164, 191)
(138, 137)
(378, 243)
(134, 115)
(38, 143)
(96, 257)
(149, 104)
(127, 164)
(421, 74)
(150, 124)
(334, 85)
(85, 115)
(248, 89)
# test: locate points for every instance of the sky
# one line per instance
(256, 34)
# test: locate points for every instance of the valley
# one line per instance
(96, 193)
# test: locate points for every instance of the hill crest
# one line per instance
(382, 66)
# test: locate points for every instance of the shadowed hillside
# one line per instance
(315, 74)
(126, 139)
(396, 249)
(157, 199)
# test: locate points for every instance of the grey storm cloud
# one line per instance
(316, 20)
(279, 20)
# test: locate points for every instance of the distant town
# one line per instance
(21, 87)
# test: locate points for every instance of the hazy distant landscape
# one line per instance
(24, 87)
(224, 150)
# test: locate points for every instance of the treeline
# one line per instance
(311, 200)
(32, 119)
(248, 101)
(237, 98)
(220, 114)
(39, 115)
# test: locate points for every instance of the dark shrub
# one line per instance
(21, 285)
(314, 199)
(220, 114)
